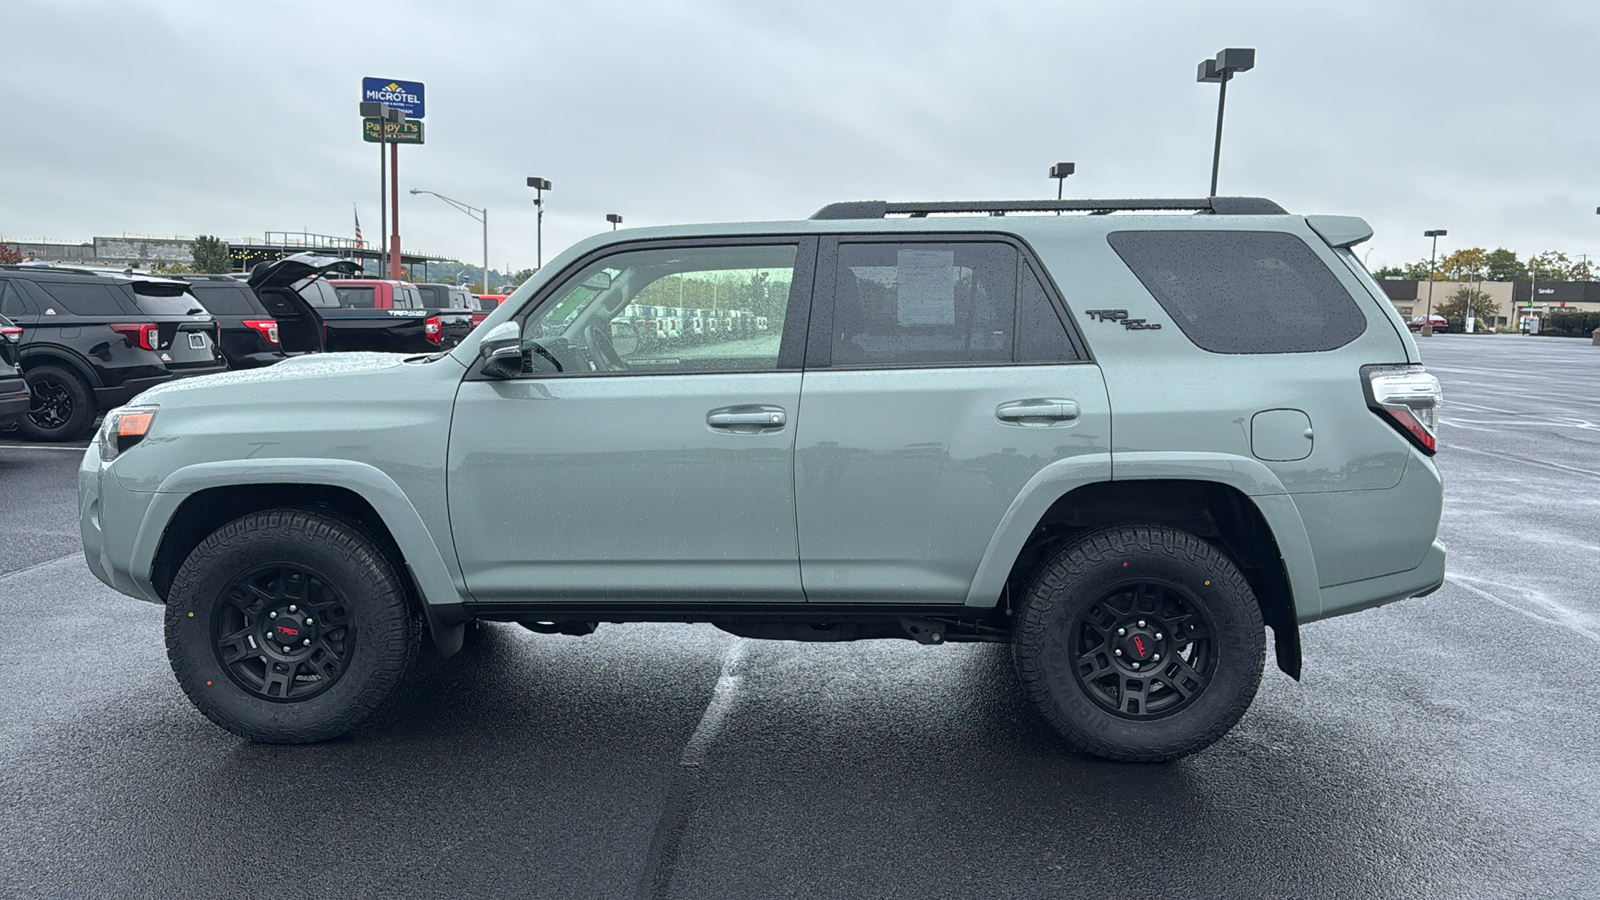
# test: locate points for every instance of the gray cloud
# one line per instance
(191, 117)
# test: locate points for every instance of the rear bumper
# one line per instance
(109, 397)
(1367, 593)
(13, 400)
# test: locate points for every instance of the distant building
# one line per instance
(1410, 298)
(145, 252)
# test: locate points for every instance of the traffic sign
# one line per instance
(408, 132)
(401, 95)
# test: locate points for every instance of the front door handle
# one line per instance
(1036, 412)
(747, 419)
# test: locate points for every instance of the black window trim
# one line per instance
(819, 344)
(792, 344)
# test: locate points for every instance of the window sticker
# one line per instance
(926, 287)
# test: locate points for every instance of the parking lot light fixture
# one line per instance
(1220, 71)
(482, 215)
(1059, 172)
(1427, 322)
(539, 185)
(614, 219)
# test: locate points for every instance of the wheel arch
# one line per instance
(49, 354)
(1256, 526)
(195, 501)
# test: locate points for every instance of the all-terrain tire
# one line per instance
(61, 406)
(1115, 596)
(238, 587)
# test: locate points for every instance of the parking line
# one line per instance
(76, 447)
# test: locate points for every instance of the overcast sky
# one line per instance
(183, 118)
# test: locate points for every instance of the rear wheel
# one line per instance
(1140, 643)
(289, 627)
(60, 408)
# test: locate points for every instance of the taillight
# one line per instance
(434, 329)
(11, 333)
(267, 327)
(142, 336)
(1408, 398)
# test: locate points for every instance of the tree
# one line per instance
(1502, 265)
(171, 267)
(1465, 265)
(10, 254)
(1551, 265)
(1390, 272)
(1582, 271)
(211, 255)
(1468, 301)
(1418, 271)
(520, 276)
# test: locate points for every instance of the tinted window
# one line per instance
(154, 299)
(924, 304)
(407, 297)
(84, 298)
(221, 299)
(11, 302)
(1041, 337)
(318, 293)
(735, 301)
(433, 295)
(356, 296)
(1243, 291)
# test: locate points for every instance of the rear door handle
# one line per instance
(747, 419)
(1036, 412)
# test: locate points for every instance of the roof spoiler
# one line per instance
(1340, 231)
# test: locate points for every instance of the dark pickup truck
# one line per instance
(316, 312)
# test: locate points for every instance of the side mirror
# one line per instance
(624, 338)
(501, 351)
(599, 281)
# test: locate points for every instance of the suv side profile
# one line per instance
(1122, 442)
(91, 341)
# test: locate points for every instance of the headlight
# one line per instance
(123, 427)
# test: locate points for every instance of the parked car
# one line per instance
(92, 340)
(13, 389)
(445, 296)
(1441, 325)
(920, 447)
(250, 337)
(380, 314)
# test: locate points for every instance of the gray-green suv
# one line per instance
(1121, 441)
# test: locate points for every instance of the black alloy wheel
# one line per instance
(290, 626)
(1139, 643)
(60, 406)
(1144, 650)
(282, 633)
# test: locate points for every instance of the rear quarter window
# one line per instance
(1243, 291)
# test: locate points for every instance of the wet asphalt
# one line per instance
(1441, 747)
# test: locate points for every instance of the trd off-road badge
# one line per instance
(1121, 315)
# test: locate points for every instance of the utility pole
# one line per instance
(1427, 322)
(539, 185)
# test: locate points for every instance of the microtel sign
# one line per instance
(401, 95)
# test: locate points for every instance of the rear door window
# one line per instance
(1243, 291)
(84, 298)
(924, 304)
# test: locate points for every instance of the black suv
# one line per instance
(446, 296)
(13, 391)
(92, 340)
(250, 335)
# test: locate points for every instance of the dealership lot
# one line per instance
(1438, 747)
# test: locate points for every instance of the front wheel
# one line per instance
(1140, 643)
(289, 627)
(60, 406)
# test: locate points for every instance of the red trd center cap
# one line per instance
(1138, 646)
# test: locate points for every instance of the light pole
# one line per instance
(1427, 322)
(539, 185)
(380, 111)
(482, 215)
(1221, 70)
(614, 219)
(1059, 172)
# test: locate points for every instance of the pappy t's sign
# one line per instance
(401, 95)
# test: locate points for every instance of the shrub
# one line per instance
(1572, 324)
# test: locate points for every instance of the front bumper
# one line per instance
(110, 553)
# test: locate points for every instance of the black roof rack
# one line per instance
(878, 209)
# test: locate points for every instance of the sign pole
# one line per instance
(383, 200)
(394, 182)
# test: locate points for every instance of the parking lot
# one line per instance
(1438, 747)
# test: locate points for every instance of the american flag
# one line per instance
(360, 244)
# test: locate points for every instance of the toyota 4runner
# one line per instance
(1122, 442)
